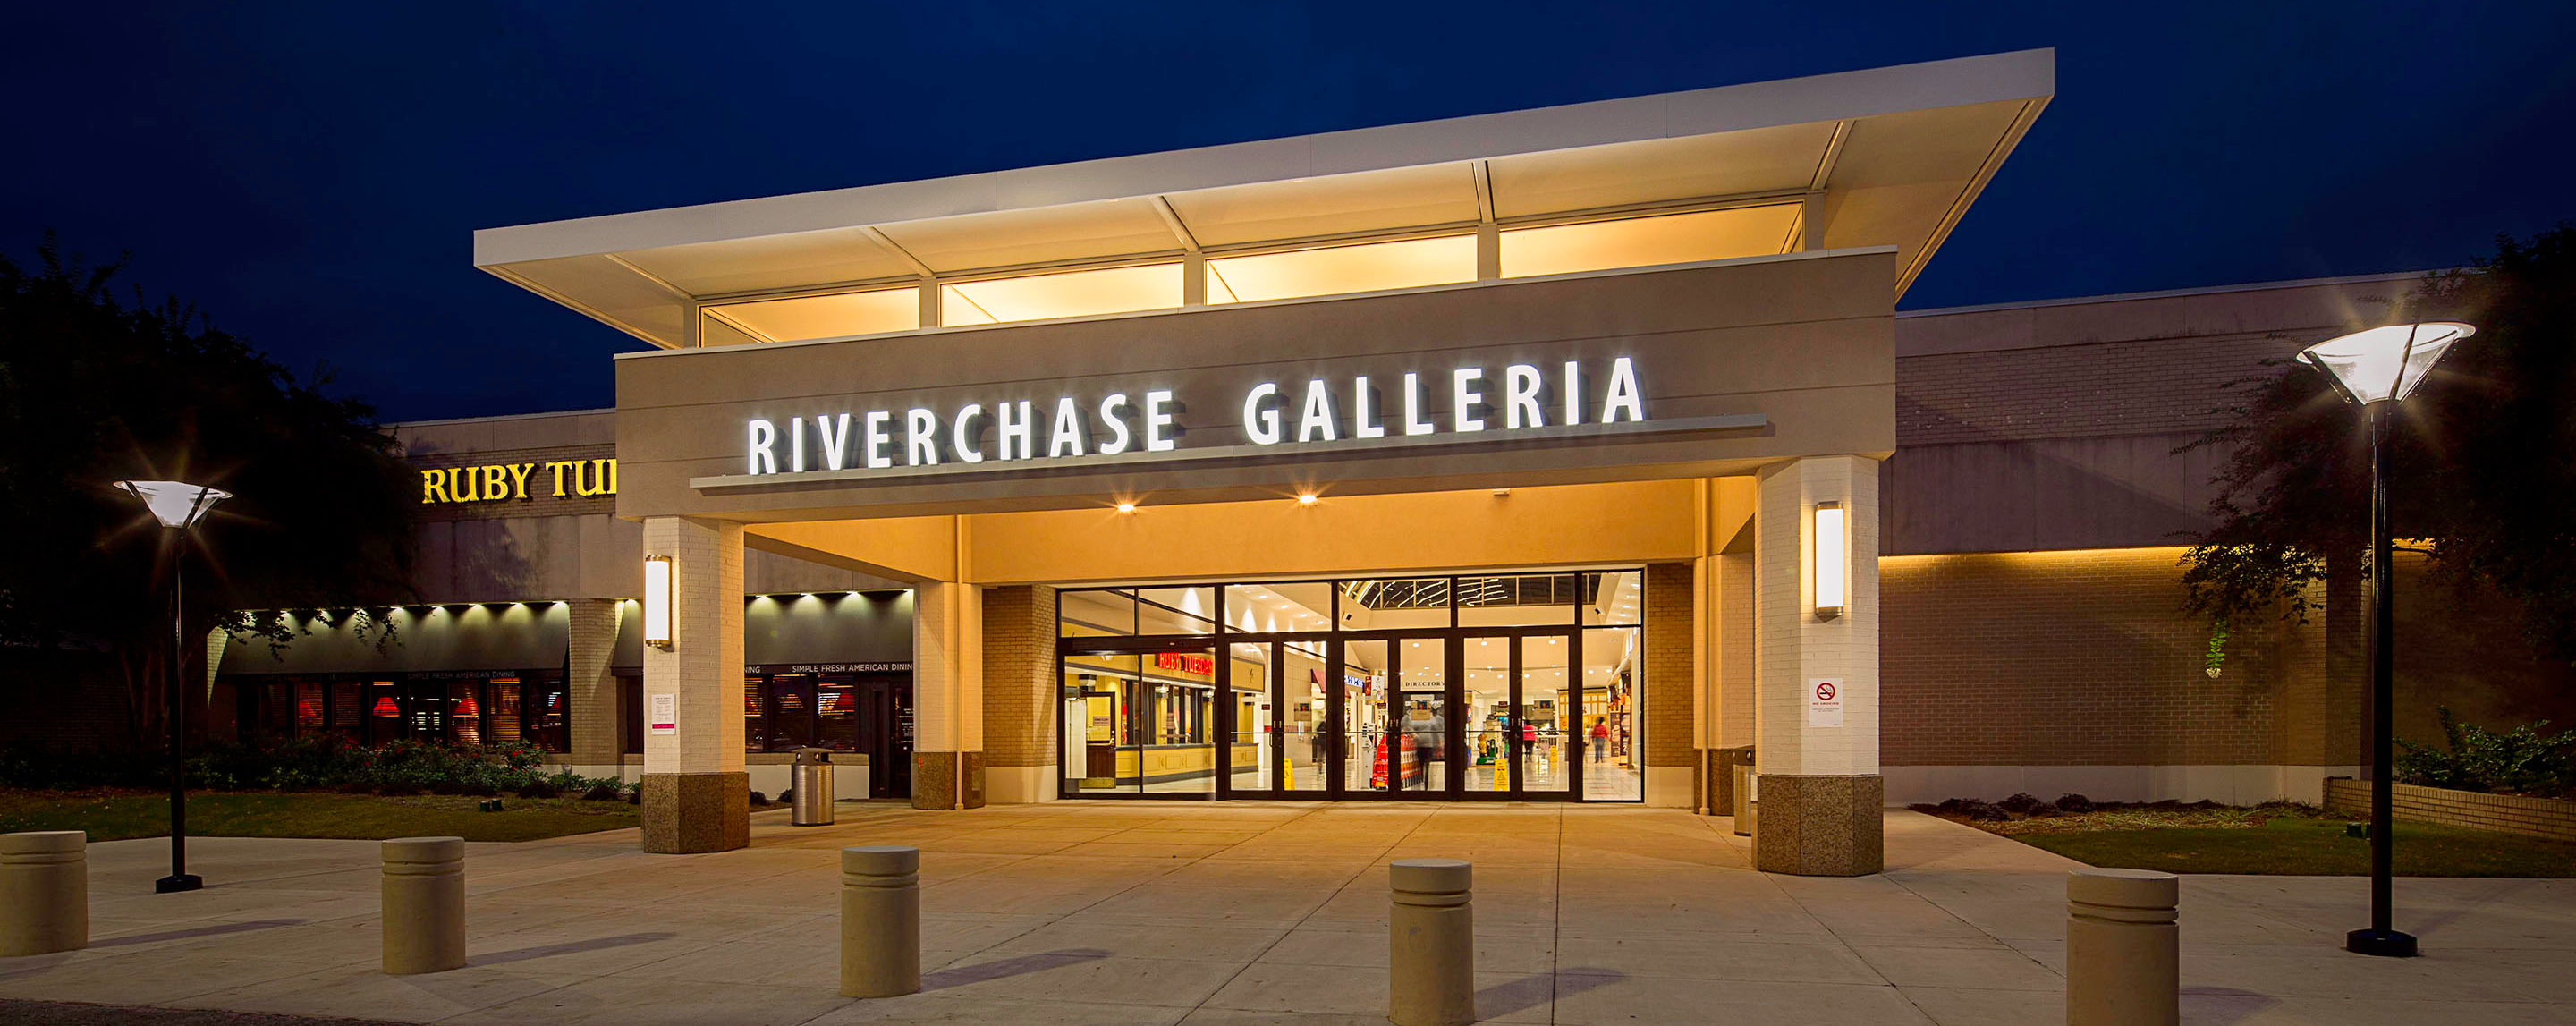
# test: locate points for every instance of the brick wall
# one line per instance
(2149, 386)
(1670, 676)
(598, 721)
(2539, 817)
(2063, 658)
(1019, 676)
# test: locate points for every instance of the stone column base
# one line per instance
(947, 780)
(685, 813)
(1820, 825)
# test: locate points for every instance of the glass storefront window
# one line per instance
(1614, 762)
(1614, 597)
(1395, 603)
(1095, 613)
(1098, 733)
(1284, 608)
(1518, 600)
(1487, 686)
(1183, 610)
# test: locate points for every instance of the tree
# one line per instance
(2483, 458)
(92, 391)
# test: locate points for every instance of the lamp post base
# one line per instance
(190, 881)
(2383, 943)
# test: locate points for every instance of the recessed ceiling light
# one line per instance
(1126, 507)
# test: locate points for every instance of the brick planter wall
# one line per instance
(2539, 817)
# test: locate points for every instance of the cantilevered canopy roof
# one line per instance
(1887, 156)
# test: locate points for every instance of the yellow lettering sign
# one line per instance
(503, 482)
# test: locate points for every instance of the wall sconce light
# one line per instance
(1832, 560)
(660, 577)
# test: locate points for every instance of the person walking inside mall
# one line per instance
(1600, 738)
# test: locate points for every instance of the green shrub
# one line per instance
(2520, 761)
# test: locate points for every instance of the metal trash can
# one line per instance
(811, 804)
(1744, 777)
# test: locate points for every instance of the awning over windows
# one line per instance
(496, 636)
(825, 628)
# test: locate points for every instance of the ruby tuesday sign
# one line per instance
(1407, 408)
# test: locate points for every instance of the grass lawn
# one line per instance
(2291, 845)
(117, 815)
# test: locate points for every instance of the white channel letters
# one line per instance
(1521, 397)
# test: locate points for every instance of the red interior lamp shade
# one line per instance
(385, 707)
(465, 707)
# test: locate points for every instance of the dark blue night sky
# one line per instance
(310, 174)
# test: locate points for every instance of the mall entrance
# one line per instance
(1490, 711)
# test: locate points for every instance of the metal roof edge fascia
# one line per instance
(2022, 74)
(2204, 290)
(1809, 254)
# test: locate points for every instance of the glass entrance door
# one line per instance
(1509, 694)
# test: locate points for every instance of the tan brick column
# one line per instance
(1671, 677)
(598, 721)
(1819, 788)
(947, 696)
(1733, 675)
(1020, 686)
(696, 794)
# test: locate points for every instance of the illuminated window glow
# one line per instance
(1071, 294)
(837, 316)
(1372, 267)
(1649, 241)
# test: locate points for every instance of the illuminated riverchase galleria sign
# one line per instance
(1345, 413)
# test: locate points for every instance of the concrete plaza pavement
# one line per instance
(1154, 912)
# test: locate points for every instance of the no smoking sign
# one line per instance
(1824, 702)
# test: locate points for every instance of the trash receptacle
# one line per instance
(812, 782)
(1744, 777)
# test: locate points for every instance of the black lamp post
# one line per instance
(2378, 368)
(177, 506)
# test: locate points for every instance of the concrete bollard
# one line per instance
(2123, 948)
(880, 921)
(424, 904)
(44, 892)
(1431, 936)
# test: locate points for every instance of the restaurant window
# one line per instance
(348, 710)
(630, 705)
(836, 713)
(549, 713)
(309, 705)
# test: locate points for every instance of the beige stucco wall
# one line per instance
(1804, 341)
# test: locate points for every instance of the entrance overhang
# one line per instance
(1878, 157)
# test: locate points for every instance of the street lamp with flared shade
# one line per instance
(2378, 368)
(175, 503)
(178, 505)
(2385, 362)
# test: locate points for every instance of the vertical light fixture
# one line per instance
(660, 577)
(1831, 560)
(2377, 369)
(177, 505)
